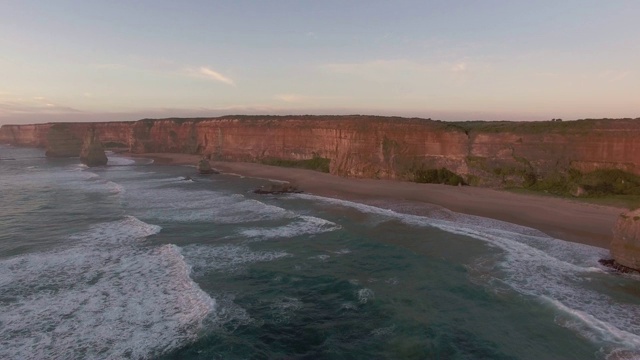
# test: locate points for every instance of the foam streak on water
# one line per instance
(303, 225)
(155, 200)
(104, 297)
(206, 258)
(537, 265)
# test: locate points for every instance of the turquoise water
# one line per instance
(138, 261)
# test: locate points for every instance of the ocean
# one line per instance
(140, 261)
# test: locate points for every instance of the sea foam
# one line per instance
(208, 258)
(105, 296)
(171, 203)
(537, 265)
(301, 225)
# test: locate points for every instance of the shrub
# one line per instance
(114, 144)
(597, 183)
(529, 179)
(316, 163)
(437, 176)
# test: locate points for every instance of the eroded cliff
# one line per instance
(483, 153)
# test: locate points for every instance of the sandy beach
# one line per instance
(560, 218)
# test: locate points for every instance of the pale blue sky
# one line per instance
(450, 60)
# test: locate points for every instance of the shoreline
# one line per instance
(563, 219)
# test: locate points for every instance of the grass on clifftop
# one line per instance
(316, 163)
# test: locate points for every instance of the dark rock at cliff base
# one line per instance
(204, 167)
(61, 142)
(278, 188)
(625, 246)
(610, 263)
(92, 153)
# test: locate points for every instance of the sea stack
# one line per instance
(92, 153)
(61, 142)
(625, 246)
(204, 167)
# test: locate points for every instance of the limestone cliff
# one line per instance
(112, 134)
(483, 153)
(625, 246)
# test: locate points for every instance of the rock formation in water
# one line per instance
(92, 153)
(204, 167)
(278, 188)
(62, 142)
(625, 246)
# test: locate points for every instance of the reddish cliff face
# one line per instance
(357, 146)
(491, 153)
(37, 135)
(25, 135)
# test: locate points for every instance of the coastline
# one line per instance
(560, 218)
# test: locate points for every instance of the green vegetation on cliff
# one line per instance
(537, 127)
(602, 182)
(437, 176)
(516, 171)
(316, 163)
(610, 187)
(114, 145)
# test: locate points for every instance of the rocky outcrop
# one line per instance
(62, 142)
(204, 167)
(278, 188)
(625, 246)
(92, 153)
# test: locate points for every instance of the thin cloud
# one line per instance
(214, 75)
(37, 105)
(290, 98)
(614, 75)
(109, 66)
(14, 107)
(459, 67)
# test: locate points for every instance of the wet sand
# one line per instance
(560, 218)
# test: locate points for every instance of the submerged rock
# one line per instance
(204, 167)
(625, 246)
(278, 188)
(610, 263)
(92, 153)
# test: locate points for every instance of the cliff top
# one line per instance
(477, 126)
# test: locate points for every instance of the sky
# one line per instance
(95, 60)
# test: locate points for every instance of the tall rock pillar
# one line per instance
(625, 246)
(92, 153)
(61, 142)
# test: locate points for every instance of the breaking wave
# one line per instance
(534, 264)
(106, 296)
